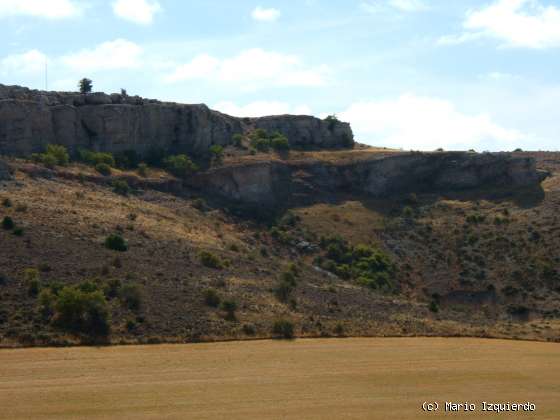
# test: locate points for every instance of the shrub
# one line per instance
(210, 260)
(249, 329)
(95, 158)
(199, 204)
(260, 144)
(237, 140)
(19, 231)
(103, 169)
(48, 160)
(368, 265)
(332, 121)
(280, 143)
(211, 298)
(121, 187)
(131, 296)
(82, 311)
(31, 278)
(283, 291)
(6, 202)
(155, 156)
(229, 307)
(116, 242)
(433, 307)
(128, 159)
(143, 170)
(8, 223)
(112, 288)
(283, 329)
(180, 165)
(59, 153)
(217, 153)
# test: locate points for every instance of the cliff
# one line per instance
(31, 119)
(276, 183)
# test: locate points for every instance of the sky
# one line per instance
(410, 74)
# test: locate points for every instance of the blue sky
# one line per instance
(414, 74)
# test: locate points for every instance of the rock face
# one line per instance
(5, 171)
(29, 120)
(270, 184)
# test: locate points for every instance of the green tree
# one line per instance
(85, 85)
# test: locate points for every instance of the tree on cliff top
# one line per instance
(85, 85)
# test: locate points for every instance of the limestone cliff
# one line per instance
(30, 119)
(275, 183)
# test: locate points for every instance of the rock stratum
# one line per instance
(31, 119)
(275, 183)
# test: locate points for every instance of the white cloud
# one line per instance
(517, 23)
(261, 109)
(265, 15)
(113, 55)
(30, 62)
(51, 9)
(137, 11)
(252, 69)
(378, 6)
(425, 123)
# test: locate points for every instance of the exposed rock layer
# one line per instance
(273, 183)
(31, 119)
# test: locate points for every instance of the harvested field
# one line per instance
(304, 379)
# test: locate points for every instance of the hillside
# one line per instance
(479, 261)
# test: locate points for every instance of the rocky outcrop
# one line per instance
(274, 183)
(29, 120)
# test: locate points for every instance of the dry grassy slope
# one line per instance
(66, 222)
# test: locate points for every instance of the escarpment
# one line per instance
(275, 183)
(29, 120)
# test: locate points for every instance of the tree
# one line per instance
(85, 85)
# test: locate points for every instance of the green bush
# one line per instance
(128, 159)
(211, 298)
(143, 170)
(217, 153)
(434, 307)
(81, 311)
(8, 223)
(229, 307)
(54, 155)
(367, 265)
(116, 242)
(103, 169)
(283, 329)
(237, 140)
(131, 296)
(280, 143)
(332, 121)
(112, 288)
(180, 165)
(210, 260)
(31, 278)
(249, 329)
(59, 153)
(121, 187)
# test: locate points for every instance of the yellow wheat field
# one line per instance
(304, 379)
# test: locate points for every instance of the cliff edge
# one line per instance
(31, 119)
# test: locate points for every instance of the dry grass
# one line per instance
(304, 379)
